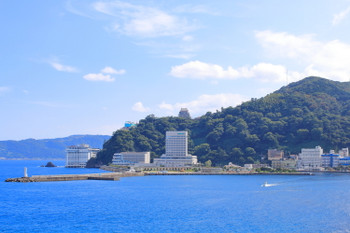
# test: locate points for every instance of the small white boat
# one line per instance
(267, 185)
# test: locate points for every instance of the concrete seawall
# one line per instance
(222, 173)
(113, 176)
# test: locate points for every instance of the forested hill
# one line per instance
(314, 111)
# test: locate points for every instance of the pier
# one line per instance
(115, 176)
(111, 176)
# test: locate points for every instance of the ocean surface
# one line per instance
(319, 203)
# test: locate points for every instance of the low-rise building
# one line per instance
(131, 158)
(176, 161)
(284, 164)
(344, 161)
(211, 170)
(344, 152)
(274, 154)
(77, 156)
(330, 160)
(255, 166)
(129, 124)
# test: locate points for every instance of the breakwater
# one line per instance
(112, 176)
(223, 173)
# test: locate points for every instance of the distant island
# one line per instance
(313, 111)
(47, 148)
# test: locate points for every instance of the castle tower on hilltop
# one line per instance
(184, 113)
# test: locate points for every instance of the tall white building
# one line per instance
(131, 158)
(77, 156)
(311, 159)
(176, 147)
(176, 143)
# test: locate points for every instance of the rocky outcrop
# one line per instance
(50, 164)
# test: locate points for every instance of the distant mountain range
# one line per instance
(47, 148)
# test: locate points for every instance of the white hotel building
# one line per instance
(310, 159)
(131, 158)
(176, 147)
(77, 156)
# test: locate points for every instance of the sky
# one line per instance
(85, 67)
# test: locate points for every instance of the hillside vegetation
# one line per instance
(313, 111)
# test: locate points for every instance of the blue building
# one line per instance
(330, 160)
(129, 124)
(344, 161)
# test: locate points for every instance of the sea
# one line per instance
(217, 203)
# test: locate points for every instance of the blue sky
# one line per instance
(86, 67)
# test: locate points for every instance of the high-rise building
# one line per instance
(77, 156)
(176, 145)
(184, 113)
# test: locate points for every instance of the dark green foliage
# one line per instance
(311, 112)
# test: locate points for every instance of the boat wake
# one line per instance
(268, 185)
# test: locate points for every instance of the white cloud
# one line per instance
(180, 56)
(63, 68)
(138, 107)
(143, 21)
(264, 72)
(110, 70)
(337, 18)
(195, 9)
(205, 103)
(201, 70)
(187, 38)
(104, 75)
(326, 59)
(99, 77)
(167, 107)
(286, 45)
(4, 89)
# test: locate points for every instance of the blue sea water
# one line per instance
(319, 203)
